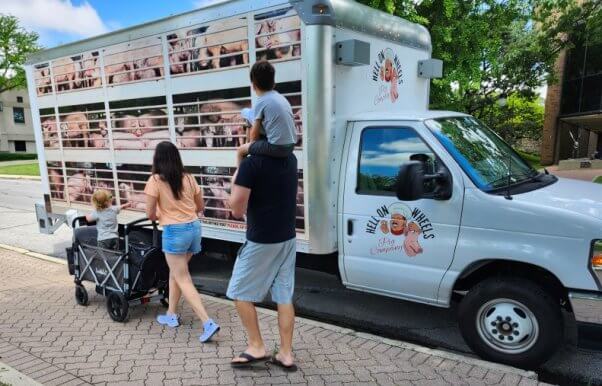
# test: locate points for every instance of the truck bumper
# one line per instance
(587, 306)
(48, 222)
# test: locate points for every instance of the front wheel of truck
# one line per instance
(512, 321)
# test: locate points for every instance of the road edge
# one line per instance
(19, 177)
(347, 331)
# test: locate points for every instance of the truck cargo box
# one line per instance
(101, 105)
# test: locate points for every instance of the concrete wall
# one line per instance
(11, 131)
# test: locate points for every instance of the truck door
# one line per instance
(397, 248)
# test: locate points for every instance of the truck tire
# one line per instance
(512, 321)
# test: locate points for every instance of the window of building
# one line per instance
(383, 151)
(20, 146)
(19, 114)
(19, 99)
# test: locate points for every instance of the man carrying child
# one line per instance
(265, 189)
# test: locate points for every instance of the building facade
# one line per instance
(16, 129)
(573, 116)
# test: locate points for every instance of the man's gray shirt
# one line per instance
(106, 222)
(276, 117)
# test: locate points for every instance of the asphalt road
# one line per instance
(321, 296)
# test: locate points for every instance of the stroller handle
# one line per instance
(136, 223)
(81, 220)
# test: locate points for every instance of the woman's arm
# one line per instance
(199, 202)
(151, 208)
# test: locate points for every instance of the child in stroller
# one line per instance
(136, 273)
(105, 216)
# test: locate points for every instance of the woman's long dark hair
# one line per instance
(167, 163)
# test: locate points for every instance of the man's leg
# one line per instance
(253, 272)
(248, 316)
(282, 294)
(286, 323)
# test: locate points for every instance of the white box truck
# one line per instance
(426, 206)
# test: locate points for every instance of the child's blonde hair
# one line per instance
(101, 199)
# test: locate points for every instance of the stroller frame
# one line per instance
(119, 295)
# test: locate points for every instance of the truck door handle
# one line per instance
(349, 227)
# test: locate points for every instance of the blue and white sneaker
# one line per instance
(210, 328)
(169, 320)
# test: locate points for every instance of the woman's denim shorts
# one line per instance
(179, 239)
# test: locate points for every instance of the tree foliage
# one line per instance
(15, 45)
(517, 119)
(492, 49)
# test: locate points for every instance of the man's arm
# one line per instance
(255, 131)
(239, 199)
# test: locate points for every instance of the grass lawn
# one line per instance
(4, 156)
(533, 159)
(598, 180)
(21, 170)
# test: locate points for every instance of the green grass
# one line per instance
(21, 170)
(4, 156)
(533, 159)
(598, 180)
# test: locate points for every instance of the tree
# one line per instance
(495, 48)
(517, 119)
(15, 45)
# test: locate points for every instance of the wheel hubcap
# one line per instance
(507, 325)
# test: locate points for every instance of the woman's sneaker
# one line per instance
(210, 328)
(169, 320)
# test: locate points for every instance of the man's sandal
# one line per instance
(250, 359)
(288, 368)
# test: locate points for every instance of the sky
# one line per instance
(64, 21)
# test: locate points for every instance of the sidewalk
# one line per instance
(49, 338)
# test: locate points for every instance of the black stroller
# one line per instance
(136, 273)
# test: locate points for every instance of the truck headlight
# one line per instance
(596, 259)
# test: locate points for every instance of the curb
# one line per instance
(36, 255)
(10, 376)
(347, 331)
(18, 177)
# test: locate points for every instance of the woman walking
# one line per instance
(175, 199)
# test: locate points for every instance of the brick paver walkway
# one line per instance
(49, 338)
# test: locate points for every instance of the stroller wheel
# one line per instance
(117, 306)
(81, 295)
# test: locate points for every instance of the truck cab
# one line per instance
(435, 207)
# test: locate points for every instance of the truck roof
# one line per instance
(340, 13)
(405, 115)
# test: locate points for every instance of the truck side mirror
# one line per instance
(410, 181)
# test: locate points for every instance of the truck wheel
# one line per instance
(512, 321)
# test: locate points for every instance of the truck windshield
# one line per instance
(481, 153)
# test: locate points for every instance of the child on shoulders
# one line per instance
(273, 130)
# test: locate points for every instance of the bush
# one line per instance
(4, 156)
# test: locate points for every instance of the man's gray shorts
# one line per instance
(260, 268)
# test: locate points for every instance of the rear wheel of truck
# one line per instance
(512, 321)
